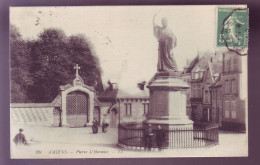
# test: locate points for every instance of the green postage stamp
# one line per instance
(232, 29)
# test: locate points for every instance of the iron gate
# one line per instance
(77, 109)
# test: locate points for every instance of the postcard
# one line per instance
(128, 81)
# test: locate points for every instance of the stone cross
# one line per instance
(77, 70)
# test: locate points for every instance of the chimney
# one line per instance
(141, 85)
(112, 85)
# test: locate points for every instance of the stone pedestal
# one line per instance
(168, 103)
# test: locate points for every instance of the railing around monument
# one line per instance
(132, 136)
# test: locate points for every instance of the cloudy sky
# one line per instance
(123, 36)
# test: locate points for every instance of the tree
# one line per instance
(53, 58)
(46, 54)
(20, 63)
(82, 52)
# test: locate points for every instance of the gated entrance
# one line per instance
(77, 106)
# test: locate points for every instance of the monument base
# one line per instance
(168, 109)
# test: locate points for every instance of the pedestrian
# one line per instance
(160, 137)
(148, 137)
(95, 126)
(19, 139)
(104, 125)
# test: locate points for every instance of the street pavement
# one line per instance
(64, 142)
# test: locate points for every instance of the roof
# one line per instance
(67, 86)
(214, 68)
(57, 101)
(135, 93)
(192, 64)
(108, 94)
(129, 92)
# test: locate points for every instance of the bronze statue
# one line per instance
(167, 41)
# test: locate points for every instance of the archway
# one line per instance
(77, 108)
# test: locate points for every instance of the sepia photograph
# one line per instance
(128, 81)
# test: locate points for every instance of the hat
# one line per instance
(20, 129)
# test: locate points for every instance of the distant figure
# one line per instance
(148, 138)
(95, 126)
(19, 139)
(160, 137)
(104, 125)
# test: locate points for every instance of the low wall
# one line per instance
(31, 113)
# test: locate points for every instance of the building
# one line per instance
(203, 75)
(216, 101)
(196, 99)
(186, 76)
(124, 106)
(234, 84)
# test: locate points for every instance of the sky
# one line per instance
(123, 35)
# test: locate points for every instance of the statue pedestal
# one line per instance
(168, 104)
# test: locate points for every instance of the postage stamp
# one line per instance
(232, 31)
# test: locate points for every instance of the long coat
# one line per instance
(20, 139)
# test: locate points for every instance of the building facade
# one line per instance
(203, 75)
(216, 102)
(234, 84)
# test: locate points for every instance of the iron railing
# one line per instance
(132, 136)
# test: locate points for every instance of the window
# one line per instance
(227, 109)
(232, 65)
(234, 86)
(206, 96)
(225, 63)
(226, 114)
(128, 109)
(194, 91)
(233, 110)
(193, 75)
(235, 64)
(145, 108)
(199, 91)
(230, 87)
(226, 86)
(200, 74)
(196, 75)
(233, 115)
(228, 65)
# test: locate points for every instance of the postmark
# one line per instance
(232, 31)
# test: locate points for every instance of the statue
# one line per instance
(167, 41)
